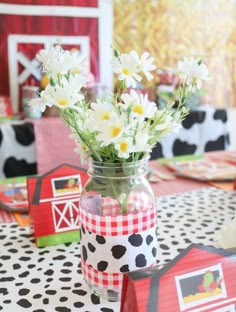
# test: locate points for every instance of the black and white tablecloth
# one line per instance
(49, 279)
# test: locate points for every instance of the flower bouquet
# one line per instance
(116, 133)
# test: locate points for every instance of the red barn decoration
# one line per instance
(54, 204)
(199, 279)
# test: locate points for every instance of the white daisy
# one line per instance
(141, 141)
(192, 71)
(139, 105)
(124, 147)
(62, 97)
(111, 131)
(127, 68)
(145, 64)
(82, 150)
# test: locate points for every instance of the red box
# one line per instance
(200, 278)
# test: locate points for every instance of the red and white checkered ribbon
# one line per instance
(106, 280)
(120, 224)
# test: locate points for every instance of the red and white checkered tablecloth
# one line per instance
(6, 216)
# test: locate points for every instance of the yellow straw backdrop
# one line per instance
(172, 29)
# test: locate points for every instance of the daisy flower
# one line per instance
(111, 131)
(124, 146)
(193, 71)
(145, 64)
(138, 105)
(127, 68)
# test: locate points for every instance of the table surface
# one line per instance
(50, 279)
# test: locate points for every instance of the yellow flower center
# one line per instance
(138, 109)
(123, 146)
(105, 116)
(84, 148)
(76, 71)
(63, 102)
(125, 71)
(116, 131)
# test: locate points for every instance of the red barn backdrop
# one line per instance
(54, 18)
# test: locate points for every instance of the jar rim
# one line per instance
(144, 160)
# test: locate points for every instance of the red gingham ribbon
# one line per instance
(103, 279)
(120, 224)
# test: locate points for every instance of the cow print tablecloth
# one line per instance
(49, 279)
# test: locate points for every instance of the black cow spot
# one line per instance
(149, 239)
(22, 167)
(84, 253)
(118, 251)
(45, 301)
(3, 291)
(83, 230)
(135, 240)
(107, 310)
(37, 296)
(24, 133)
(79, 292)
(156, 151)
(24, 274)
(164, 247)
(211, 145)
(23, 291)
(194, 117)
(220, 114)
(69, 264)
(65, 271)
(140, 261)
(91, 247)
(95, 299)
(35, 281)
(24, 303)
(5, 257)
(65, 279)
(78, 285)
(154, 251)
(49, 272)
(62, 309)
(183, 148)
(50, 292)
(59, 257)
(12, 250)
(63, 299)
(102, 265)
(124, 268)
(7, 279)
(100, 239)
(78, 304)
(16, 266)
(1, 137)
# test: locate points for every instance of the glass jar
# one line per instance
(29, 93)
(118, 225)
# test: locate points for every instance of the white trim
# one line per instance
(105, 36)
(49, 10)
(69, 197)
